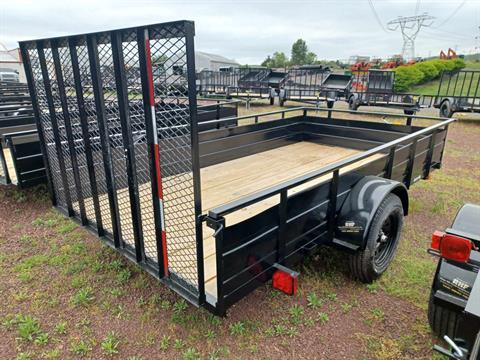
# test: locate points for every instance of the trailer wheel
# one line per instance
(272, 101)
(352, 103)
(281, 102)
(382, 241)
(446, 109)
(442, 321)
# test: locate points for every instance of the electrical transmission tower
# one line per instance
(410, 27)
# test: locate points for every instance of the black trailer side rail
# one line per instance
(407, 158)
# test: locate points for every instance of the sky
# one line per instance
(248, 30)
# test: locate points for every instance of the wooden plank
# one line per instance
(11, 168)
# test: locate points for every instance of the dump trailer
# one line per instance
(303, 84)
(253, 83)
(376, 88)
(458, 91)
(215, 214)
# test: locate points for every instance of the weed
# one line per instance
(123, 276)
(180, 306)
(28, 327)
(331, 296)
(83, 297)
(51, 354)
(178, 344)
(214, 320)
(237, 328)
(164, 342)
(313, 301)
(309, 321)
(322, 318)
(346, 307)
(165, 305)
(24, 356)
(378, 314)
(26, 239)
(61, 328)
(110, 344)
(41, 339)
(296, 312)
(210, 334)
(373, 287)
(191, 354)
(80, 347)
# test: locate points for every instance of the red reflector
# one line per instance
(285, 282)
(437, 237)
(455, 248)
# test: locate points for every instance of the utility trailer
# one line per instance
(210, 82)
(376, 88)
(458, 91)
(303, 84)
(253, 83)
(215, 214)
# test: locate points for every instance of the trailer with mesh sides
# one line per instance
(377, 88)
(211, 82)
(217, 213)
(253, 83)
(458, 91)
(304, 84)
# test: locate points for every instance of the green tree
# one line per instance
(301, 55)
(268, 62)
(277, 60)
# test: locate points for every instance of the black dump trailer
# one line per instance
(377, 88)
(458, 91)
(215, 214)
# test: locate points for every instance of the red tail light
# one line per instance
(452, 247)
(285, 282)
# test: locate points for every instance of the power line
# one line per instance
(375, 14)
(448, 18)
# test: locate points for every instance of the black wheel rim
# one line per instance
(444, 111)
(386, 239)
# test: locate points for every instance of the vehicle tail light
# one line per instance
(452, 247)
(286, 282)
(437, 237)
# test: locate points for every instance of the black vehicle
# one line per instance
(214, 214)
(454, 307)
(458, 91)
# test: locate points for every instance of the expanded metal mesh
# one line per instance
(174, 134)
(119, 141)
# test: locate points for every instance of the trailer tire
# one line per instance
(382, 241)
(446, 109)
(281, 102)
(352, 103)
(272, 101)
(442, 321)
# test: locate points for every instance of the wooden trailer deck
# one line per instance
(226, 182)
(11, 168)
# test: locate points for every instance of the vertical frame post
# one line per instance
(124, 112)
(36, 112)
(53, 117)
(85, 134)
(282, 223)
(148, 93)
(192, 105)
(332, 204)
(411, 162)
(428, 160)
(97, 86)
(68, 130)
(391, 159)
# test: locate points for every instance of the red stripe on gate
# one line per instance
(149, 72)
(158, 171)
(165, 257)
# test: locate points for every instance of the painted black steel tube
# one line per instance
(68, 131)
(411, 163)
(332, 204)
(86, 135)
(126, 125)
(53, 118)
(33, 94)
(103, 130)
(390, 162)
(192, 104)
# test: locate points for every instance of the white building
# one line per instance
(11, 60)
(207, 61)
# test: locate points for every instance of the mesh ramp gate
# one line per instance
(115, 161)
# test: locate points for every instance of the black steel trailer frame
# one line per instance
(304, 84)
(376, 88)
(458, 91)
(132, 175)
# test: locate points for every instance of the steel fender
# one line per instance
(466, 220)
(360, 206)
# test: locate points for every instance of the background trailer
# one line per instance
(215, 214)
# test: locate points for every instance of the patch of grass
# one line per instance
(373, 287)
(51, 354)
(28, 327)
(42, 339)
(313, 301)
(110, 344)
(322, 318)
(296, 312)
(377, 314)
(123, 276)
(237, 328)
(178, 344)
(83, 297)
(24, 356)
(61, 328)
(346, 307)
(191, 354)
(80, 347)
(164, 342)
